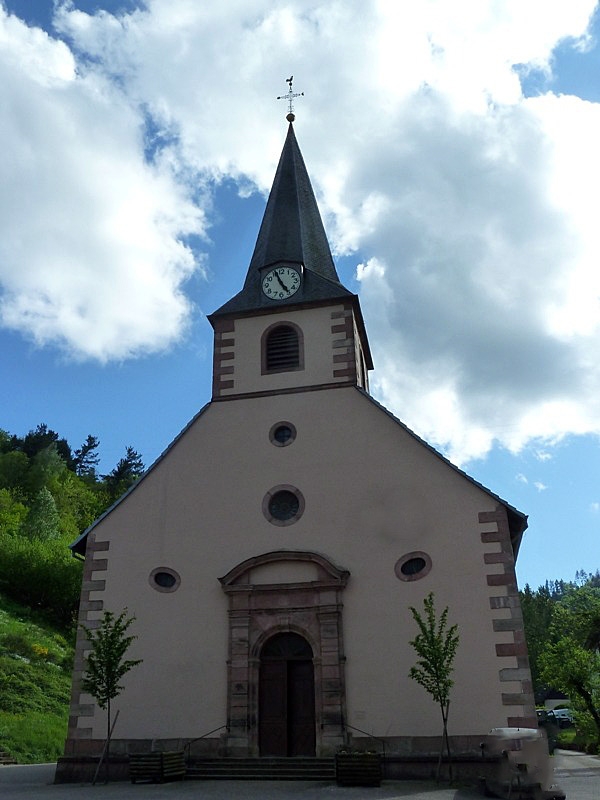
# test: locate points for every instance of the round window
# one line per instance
(283, 505)
(164, 579)
(282, 434)
(413, 566)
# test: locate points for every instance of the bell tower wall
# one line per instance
(328, 351)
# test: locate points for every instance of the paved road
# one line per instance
(577, 774)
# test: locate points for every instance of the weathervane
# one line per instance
(290, 98)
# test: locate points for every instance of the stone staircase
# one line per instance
(262, 769)
(5, 759)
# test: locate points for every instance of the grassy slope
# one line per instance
(35, 683)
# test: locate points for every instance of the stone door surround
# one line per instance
(285, 590)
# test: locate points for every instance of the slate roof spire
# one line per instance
(291, 232)
(292, 229)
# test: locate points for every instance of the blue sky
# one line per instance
(456, 164)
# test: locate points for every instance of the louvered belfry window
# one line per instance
(282, 349)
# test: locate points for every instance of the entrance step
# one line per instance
(263, 769)
(5, 759)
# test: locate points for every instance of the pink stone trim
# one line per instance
(312, 609)
(517, 649)
(223, 328)
(90, 583)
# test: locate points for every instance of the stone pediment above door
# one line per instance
(289, 568)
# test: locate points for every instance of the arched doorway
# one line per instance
(286, 697)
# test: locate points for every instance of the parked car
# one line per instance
(564, 717)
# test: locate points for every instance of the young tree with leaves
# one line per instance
(106, 664)
(436, 645)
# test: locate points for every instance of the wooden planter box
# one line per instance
(157, 767)
(358, 769)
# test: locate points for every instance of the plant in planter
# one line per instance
(357, 768)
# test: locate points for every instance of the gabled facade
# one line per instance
(271, 554)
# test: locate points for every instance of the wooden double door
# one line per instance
(287, 697)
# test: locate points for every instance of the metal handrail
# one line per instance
(188, 745)
(370, 735)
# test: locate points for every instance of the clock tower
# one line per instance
(293, 326)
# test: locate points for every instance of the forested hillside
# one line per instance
(49, 493)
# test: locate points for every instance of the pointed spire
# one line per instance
(292, 233)
(292, 229)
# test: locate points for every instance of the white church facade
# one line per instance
(271, 554)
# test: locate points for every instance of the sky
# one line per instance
(453, 148)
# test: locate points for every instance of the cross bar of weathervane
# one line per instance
(290, 98)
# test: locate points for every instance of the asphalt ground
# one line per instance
(577, 774)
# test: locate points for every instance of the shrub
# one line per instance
(41, 574)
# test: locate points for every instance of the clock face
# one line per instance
(281, 282)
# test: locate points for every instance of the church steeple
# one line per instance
(291, 234)
(293, 326)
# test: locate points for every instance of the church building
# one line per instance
(272, 553)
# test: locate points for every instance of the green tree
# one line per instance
(14, 466)
(86, 458)
(47, 468)
(12, 513)
(106, 664)
(40, 439)
(537, 607)
(571, 661)
(43, 521)
(436, 645)
(125, 474)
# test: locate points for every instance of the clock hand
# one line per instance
(281, 283)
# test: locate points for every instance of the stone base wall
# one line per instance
(406, 757)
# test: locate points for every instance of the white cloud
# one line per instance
(469, 205)
(521, 478)
(541, 487)
(90, 251)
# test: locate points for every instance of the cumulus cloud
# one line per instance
(466, 205)
(91, 251)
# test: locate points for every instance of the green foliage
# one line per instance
(125, 474)
(106, 663)
(41, 574)
(12, 514)
(537, 609)
(42, 521)
(436, 646)
(35, 683)
(35, 737)
(571, 661)
(49, 494)
(86, 458)
(14, 466)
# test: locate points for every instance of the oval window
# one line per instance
(413, 566)
(164, 579)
